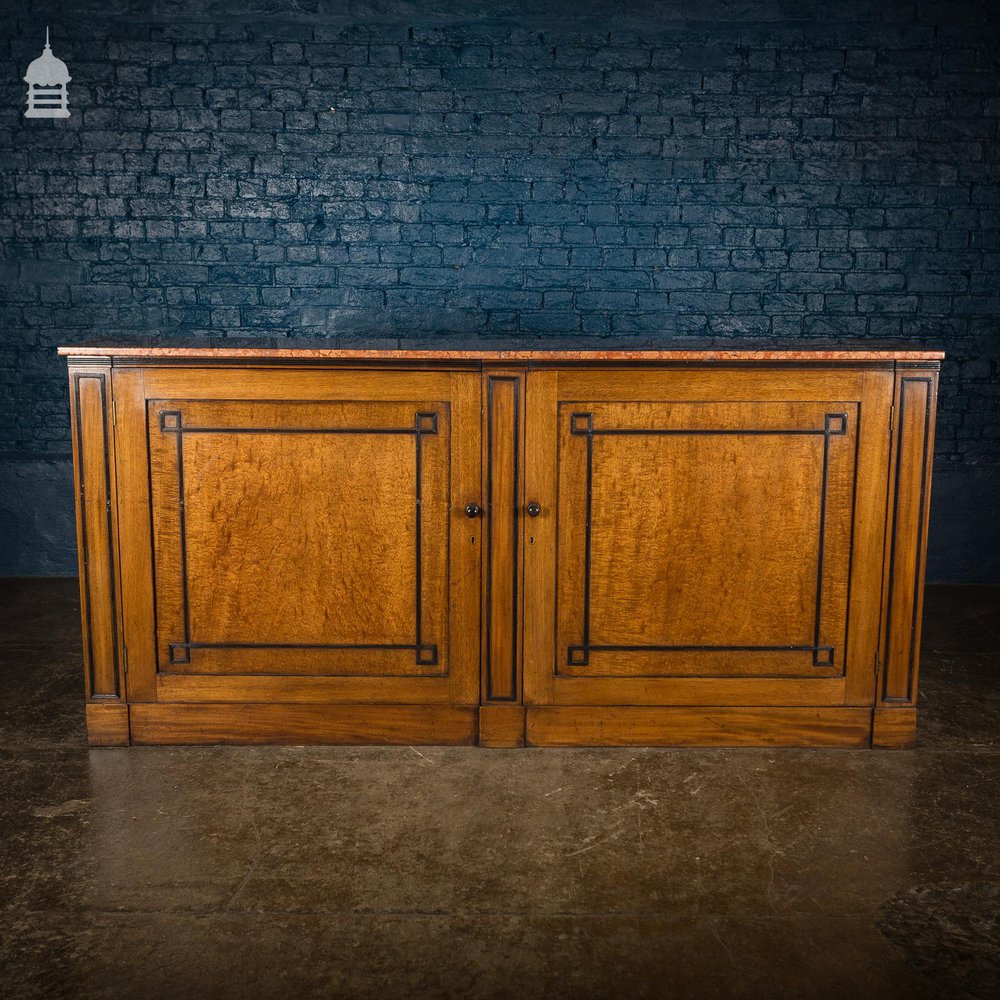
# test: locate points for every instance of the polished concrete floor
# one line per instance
(386, 873)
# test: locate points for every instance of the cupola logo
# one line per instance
(47, 79)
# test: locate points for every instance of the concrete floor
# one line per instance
(389, 873)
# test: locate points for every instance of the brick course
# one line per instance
(509, 170)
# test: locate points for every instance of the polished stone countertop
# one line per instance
(464, 349)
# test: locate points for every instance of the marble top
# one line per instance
(512, 350)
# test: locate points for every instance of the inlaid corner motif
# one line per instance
(347, 473)
(590, 428)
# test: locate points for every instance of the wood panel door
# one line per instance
(705, 537)
(306, 537)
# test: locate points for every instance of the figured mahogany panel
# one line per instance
(301, 537)
(705, 539)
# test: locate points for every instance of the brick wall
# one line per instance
(512, 169)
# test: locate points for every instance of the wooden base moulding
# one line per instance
(708, 727)
(894, 728)
(401, 725)
(501, 726)
(497, 726)
(107, 725)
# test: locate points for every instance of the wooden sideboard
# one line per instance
(283, 543)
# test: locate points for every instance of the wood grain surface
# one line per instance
(301, 537)
(717, 554)
(707, 541)
(304, 724)
(92, 421)
(705, 727)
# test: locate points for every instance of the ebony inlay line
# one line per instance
(302, 645)
(828, 420)
(582, 424)
(693, 649)
(185, 601)
(171, 422)
(298, 430)
(850, 544)
(666, 432)
(587, 547)
(419, 567)
(819, 544)
(427, 654)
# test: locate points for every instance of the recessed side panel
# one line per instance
(502, 477)
(94, 468)
(906, 554)
(95, 482)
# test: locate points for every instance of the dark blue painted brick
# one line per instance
(742, 178)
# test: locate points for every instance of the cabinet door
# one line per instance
(306, 534)
(706, 537)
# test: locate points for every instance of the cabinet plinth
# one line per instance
(707, 547)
